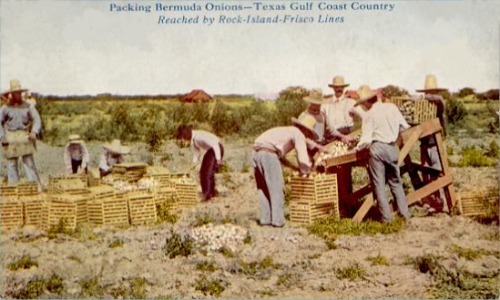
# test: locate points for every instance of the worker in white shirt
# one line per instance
(270, 149)
(76, 155)
(113, 154)
(338, 111)
(201, 140)
(380, 130)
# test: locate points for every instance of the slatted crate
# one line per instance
(9, 192)
(305, 212)
(128, 172)
(27, 189)
(107, 209)
(415, 111)
(93, 177)
(11, 213)
(35, 210)
(166, 196)
(187, 193)
(162, 180)
(141, 207)
(71, 208)
(317, 189)
(101, 191)
(478, 203)
(64, 183)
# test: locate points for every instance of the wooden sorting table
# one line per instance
(426, 181)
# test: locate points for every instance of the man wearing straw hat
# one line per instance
(76, 155)
(428, 145)
(20, 125)
(381, 126)
(270, 149)
(113, 154)
(315, 100)
(337, 111)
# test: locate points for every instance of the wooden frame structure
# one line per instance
(425, 180)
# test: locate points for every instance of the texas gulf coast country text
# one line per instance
(250, 12)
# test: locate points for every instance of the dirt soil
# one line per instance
(302, 265)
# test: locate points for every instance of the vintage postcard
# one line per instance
(249, 149)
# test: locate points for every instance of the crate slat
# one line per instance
(478, 203)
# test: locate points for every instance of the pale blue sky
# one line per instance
(79, 47)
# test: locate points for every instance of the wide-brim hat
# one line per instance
(338, 81)
(15, 86)
(315, 97)
(75, 139)
(306, 122)
(116, 147)
(431, 85)
(365, 93)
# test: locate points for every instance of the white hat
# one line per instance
(116, 147)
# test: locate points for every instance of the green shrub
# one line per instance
(33, 289)
(378, 260)
(212, 287)
(25, 262)
(177, 245)
(290, 104)
(471, 254)
(223, 120)
(455, 111)
(116, 243)
(165, 213)
(226, 252)
(55, 284)
(289, 280)
(493, 150)
(473, 157)
(60, 228)
(351, 272)
(90, 288)
(206, 266)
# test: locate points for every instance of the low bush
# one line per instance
(212, 287)
(351, 272)
(177, 245)
(25, 262)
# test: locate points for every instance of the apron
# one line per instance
(18, 145)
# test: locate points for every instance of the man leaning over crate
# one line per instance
(268, 150)
(20, 125)
(113, 154)
(380, 130)
(428, 145)
(76, 155)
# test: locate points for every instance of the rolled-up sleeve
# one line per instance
(37, 121)
(302, 156)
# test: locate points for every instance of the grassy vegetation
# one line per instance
(472, 254)
(206, 266)
(210, 286)
(25, 262)
(378, 260)
(257, 269)
(351, 272)
(164, 212)
(176, 245)
(37, 286)
(116, 243)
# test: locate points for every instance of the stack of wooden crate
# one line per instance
(415, 111)
(141, 207)
(478, 203)
(34, 204)
(313, 197)
(108, 207)
(187, 192)
(128, 172)
(11, 208)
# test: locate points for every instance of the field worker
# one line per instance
(428, 145)
(315, 100)
(113, 154)
(337, 111)
(20, 125)
(380, 130)
(76, 155)
(271, 147)
(201, 140)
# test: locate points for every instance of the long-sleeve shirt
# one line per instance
(19, 117)
(337, 112)
(283, 140)
(76, 151)
(382, 123)
(320, 127)
(108, 160)
(204, 140)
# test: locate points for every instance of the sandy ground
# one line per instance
(302, 265)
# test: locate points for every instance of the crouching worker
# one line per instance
(271, 147)
(113, 154)
(76, 155)
(201, 140)
(380, 130)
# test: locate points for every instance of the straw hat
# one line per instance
(15, 86)
(315, 97)
(116, 147)
(365, 93)
(75, 139)
(307, 122)
(431, 84)
(338, 81)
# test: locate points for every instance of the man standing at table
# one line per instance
(380, 130)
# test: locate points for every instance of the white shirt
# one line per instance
(283, 140)
(337, 112)
(204, 140)
(76, 151)
(108, 160)
(382, 123)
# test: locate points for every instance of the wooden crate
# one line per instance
(93, 177)
(101, 191)
(35, 210)
(306, 212)
(72, 208)
(166, 196)
(9, 192)
(478, 203)
(319, 189)
(11, 214)
(141, 207)
(109, 210)
(415, 111)
(129, 172)
(27, 189)
(162, 180)
(187, 193)
(72, 182)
